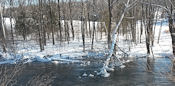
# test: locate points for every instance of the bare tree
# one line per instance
(103, 72)
(2, 28)
(51, 22)
(71, 21)
(11, 25)
(93, 34)
(82, 25)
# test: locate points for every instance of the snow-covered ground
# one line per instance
(137, 49)
(72, 52)
(29, 51)
(161, 49)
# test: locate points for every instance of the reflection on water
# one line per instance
(135, 74)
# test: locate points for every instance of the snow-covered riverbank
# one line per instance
(29, 51)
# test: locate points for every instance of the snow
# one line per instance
(8, 61)
(122, 66)
(128, 61)
(84, 75)
(164, 48)
(29, 51)
(91, 75)
(8, 23)
(103, 72)
(68, 52)
(108, 69)
(136, 50)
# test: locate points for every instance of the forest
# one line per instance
(87, 42)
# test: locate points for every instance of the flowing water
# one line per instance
(71, 74)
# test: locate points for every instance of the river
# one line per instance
(71, 74)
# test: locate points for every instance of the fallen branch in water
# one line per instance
(105, 68)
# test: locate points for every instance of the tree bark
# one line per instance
(109, 25)
(114, 35)
(2, 30)
(59, 22)
(71, 21)
(51, 23)
(11, 25)
(172, 29)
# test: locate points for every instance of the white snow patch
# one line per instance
(128, 61)
(122, 66)
(108, 69)
(85, 75)
(103, 72)
(91, 75)
(55, 62)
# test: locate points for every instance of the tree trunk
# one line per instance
(109, 25)
(71, 21)
(51, 23)
(82, 26)
(172, 31)
(59, 22)
(40, 27)
(114, 35)
(159, 32)
(93, 34)
(2, 30)
(11, 25)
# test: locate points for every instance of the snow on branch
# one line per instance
(105, 68)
